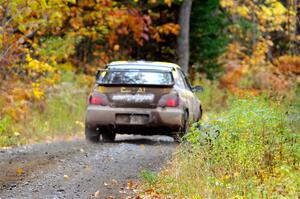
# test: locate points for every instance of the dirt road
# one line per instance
(75, 169)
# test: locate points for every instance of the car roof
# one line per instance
(149, 65)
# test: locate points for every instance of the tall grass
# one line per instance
(251, 150)
(6, 136)
(60, 115)
(213, 98)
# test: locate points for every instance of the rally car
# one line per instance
(140, 97)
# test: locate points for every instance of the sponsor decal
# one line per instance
(124, 90)
(137, 98)
(139, 90)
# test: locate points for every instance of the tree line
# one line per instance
(245, 44)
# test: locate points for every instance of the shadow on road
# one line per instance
(147, 140)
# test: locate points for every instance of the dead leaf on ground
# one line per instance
(66, 177)
(115, 182)
(97, 194)
(20, 171)
(105, 184)
(129, 184)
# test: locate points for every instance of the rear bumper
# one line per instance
(164, 119)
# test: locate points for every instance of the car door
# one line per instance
(192, 100)
(184, 92)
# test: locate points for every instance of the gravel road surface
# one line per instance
(75, 169)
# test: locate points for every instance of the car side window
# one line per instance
(185, 80)
(179, 81)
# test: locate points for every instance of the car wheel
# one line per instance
(92, 135)
(183, 130)
(108, 136)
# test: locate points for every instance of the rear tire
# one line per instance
(92, 135)
(184, 129)
(108, 136)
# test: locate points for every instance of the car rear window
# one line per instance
(137, 77)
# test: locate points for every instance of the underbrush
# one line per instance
(251, 150)
(213, 98)
(60, 115)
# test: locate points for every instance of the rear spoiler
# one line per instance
(138, 85)
(100, 71)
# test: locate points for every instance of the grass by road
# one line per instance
(59, 116)
(255, 156)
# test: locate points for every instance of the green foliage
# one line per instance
(60, 116)
(257, 150)
(213, 98)
(256, 154)
(57, 47)
(4, 124)
(208, 39)
(149, 177)
(6, 136)
(63, 114)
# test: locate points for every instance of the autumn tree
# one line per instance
(208, 37)
(183, 41)
(260, 35)
(41, 39)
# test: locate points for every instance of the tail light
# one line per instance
(98, 99)
(169, 100)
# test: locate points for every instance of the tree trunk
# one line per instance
(183, 45)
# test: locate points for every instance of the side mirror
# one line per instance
(197, 89)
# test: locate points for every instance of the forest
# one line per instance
(243, 45)
(248, 50)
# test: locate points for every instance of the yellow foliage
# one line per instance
(116, 47)
(79, 123)
(272, 17)
(279, 8)
(227, 3)
(37, 66)
(168, 2)
(288, 64)
(243, 11)
(68, 66)
(165, 29)
(248, 57)
(37, 91)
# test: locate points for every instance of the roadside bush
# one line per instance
(59, 115)
(256, 154)
(213, 98)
